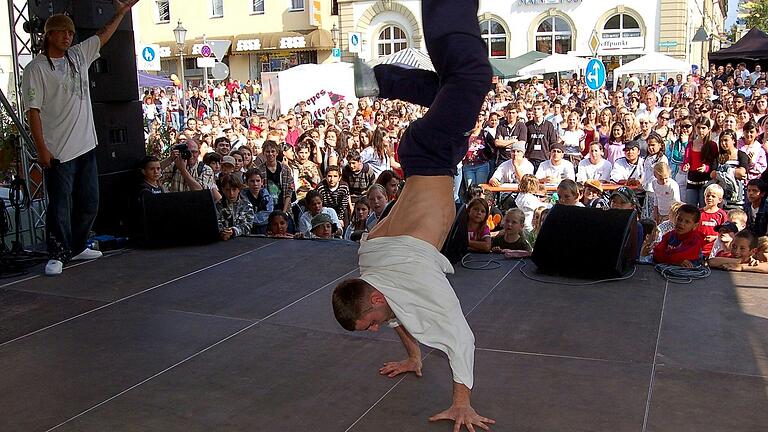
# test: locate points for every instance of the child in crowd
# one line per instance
(537, 221)
(358, 176)
(335, 193)
(512, 237)
(711, 216)
(762, 249)
(321, 227)
(213, 160)
(314, 205)
(593, 196)
(663, 191)
(725, 233)
(624, 198)
(528, 198)
(260, 200)
(683, 245)
(743, 248)
(568, 193)
(739, 218)
(669, 224)
(496, 215)
(151, 173)
(227, 165)
(391, 182)
(477, 224)
(650, 234)
(235, 214)
(377, 198)
(308, 172)
(357, 226)
(756, 207)
(277, 225)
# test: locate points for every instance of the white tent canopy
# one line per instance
(554, 63)
(651, 63)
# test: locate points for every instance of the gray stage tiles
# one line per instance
(239, 336)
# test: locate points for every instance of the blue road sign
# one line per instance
(355, 40)
(595, 74)
(148, 54)
(336, 52)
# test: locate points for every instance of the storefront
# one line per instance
(170, 55)
(274, 52)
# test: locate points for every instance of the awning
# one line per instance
(507, 68)
(149, 80)
(409, 57)
(318, 39)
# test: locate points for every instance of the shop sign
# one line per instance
(293, 42)
(248, 45)
(609, 43)
(545, 2)
(164, 51)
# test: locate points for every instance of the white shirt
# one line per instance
(305, 221)
(411, 275)
(528, 203)
(63, 100)
(505, 173)
(564, 170)
(666, 194)
(376, 164)
(623, 170)
(648, 165)
(571, 140)
(599, 171)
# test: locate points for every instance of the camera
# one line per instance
(183, 151)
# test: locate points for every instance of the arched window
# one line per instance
(621, 26)
(495, 38)
(554, 35)
(391, 40)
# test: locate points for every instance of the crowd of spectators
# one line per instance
(688, 154)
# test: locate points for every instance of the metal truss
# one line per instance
(24, 45)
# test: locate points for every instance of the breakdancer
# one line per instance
(402, 273)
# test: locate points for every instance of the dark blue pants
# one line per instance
(73, 202)
(435, 144)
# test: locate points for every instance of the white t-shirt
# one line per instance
(599, 171)
(648, 165)
(376, 164)
(564, 170)
(505, 173)
(666, 195)
(63, 100)
(571, 140)
(623, 170)
(528, 203)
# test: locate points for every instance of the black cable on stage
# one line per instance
(682, 275)
(522, 270)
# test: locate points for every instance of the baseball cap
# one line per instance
(320, 219)
(59, 22)
(594, 183)
(625, 194)
(519, 146)
(228, 160)
(729, 226)
(631, 144)
(557, 146)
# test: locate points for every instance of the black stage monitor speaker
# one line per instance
(120, 134)
(116, 192)
(179, 218)
(586, 243)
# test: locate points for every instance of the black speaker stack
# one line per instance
(116, 106)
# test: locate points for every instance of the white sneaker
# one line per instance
(53, 267)
(87, 254)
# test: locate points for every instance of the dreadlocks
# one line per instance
(66, 54)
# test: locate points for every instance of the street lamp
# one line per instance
(335, 35)
(180, 34)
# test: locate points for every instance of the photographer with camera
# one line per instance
(183, 172)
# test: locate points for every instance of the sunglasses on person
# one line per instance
(686, 126)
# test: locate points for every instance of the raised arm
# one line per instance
(123, 7)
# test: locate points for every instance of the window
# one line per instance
(621, 26)
(554, 36)
(391, 40)
(297, 5)
(163, 11)
(217, 8)
(257, 6)
(495, 38)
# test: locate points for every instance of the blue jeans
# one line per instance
(476, 174)
(694, 195)
(73, 202)
(436, 143)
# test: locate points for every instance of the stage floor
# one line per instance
(240, 336)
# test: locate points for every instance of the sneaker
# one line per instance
(53, 267)
(87, 254)
(365, 80)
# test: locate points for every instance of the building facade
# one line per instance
(625, 28)
(265, 35)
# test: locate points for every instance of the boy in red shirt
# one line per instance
(743, 248)
(711, 216)
(683, 245)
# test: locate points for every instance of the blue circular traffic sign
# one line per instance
(595, 75)
(355, 40)
(148, 54)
